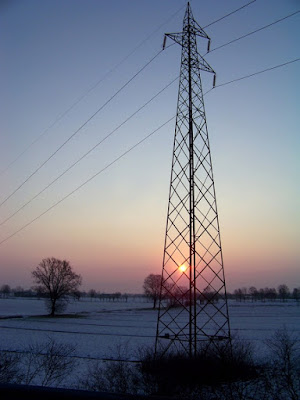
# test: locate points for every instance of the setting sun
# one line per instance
(183, 268)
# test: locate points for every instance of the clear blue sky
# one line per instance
(112, 230)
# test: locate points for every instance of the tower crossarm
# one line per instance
(202, 63)
(192, 28)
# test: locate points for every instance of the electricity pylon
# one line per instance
(193, 303)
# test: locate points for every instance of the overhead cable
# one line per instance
(132, 148)
(89, 151)
(85, 94)
(227, 15)
(258, 72)
(82, 126)
(254, 73)
(88, 180)
(91, 89)
(255, 31)
(64, 113)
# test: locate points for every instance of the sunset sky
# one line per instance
(53, 52)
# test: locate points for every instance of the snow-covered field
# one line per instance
(96, 328)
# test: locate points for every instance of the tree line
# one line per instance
(253, 294)
(152, 288)
(6, 291)
(57, 283)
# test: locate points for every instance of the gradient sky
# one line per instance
(112, 230)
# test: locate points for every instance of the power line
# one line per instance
(84, 95)
(88, 180)
(258, 72)
(82, 126)
(255, 31)
(84, 357)
(133, 147)
(75, 332)
(226, 83)
(254, 73)
(89, 151)
(64, 113)
(227, 15)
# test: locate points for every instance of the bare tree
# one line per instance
(18, 291)
(9, 368)
(253, 293)
(47, 363)
(176, 295)
(282, 375)
(115, 376)
(57, 280)
(296, 294)
(5, 290)
(152, 284)
(92, 294)
(270, 293)
(283, 292)
(240, 294)
(262, 294)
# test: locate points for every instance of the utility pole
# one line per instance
(193, 308)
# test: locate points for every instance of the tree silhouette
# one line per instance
(56, 279)
(5, 290)
(296, 294)
(283, 292)
(151, 287)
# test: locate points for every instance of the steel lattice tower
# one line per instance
(193, 303)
